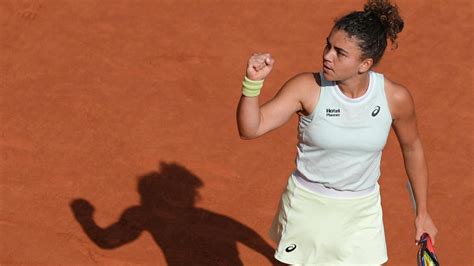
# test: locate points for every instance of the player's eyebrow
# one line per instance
(339, 49)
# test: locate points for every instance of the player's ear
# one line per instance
(365, 65)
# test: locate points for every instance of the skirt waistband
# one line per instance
(320, 189)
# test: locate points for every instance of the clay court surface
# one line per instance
(128, 108)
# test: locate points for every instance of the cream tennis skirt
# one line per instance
(315, 229)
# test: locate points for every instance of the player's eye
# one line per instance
(340, 53)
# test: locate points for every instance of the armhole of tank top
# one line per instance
(384, 95)
(309, 118)
(322, 95)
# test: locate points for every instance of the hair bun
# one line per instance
(388, 15)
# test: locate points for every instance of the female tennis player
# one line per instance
(330, 212)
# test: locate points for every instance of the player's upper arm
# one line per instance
(403, 112)
(286, 102)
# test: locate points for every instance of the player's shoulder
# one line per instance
(304, 88)
(301, 82)
(306, 78)
(396, 92)
(399, 97)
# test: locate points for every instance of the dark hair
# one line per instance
(379, 20)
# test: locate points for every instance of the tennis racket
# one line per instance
(426, 253)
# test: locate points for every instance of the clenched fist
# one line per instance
(259, 66)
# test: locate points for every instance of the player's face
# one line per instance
(341, 56)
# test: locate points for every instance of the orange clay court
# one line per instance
(124, 111)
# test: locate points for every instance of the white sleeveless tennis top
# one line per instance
(340, 143)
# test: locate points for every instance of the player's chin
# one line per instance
(329, 75)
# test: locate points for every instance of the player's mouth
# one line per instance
(327, 68)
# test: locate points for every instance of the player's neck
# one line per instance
(355, 86)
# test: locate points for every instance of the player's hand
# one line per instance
(259, 66)
(424, 223)
(82, 208)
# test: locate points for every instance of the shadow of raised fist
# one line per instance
(82, 208)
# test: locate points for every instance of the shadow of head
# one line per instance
(173, 186)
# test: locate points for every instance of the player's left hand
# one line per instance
(424, 223)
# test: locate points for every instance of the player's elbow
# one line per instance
(244, 136)
(248, 133)
(411, 146)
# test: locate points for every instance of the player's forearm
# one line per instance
(248, 117)
(416, 169)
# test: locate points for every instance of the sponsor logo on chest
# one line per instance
(333, 112)
(337, 111)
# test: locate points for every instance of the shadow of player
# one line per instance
(186, 234)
